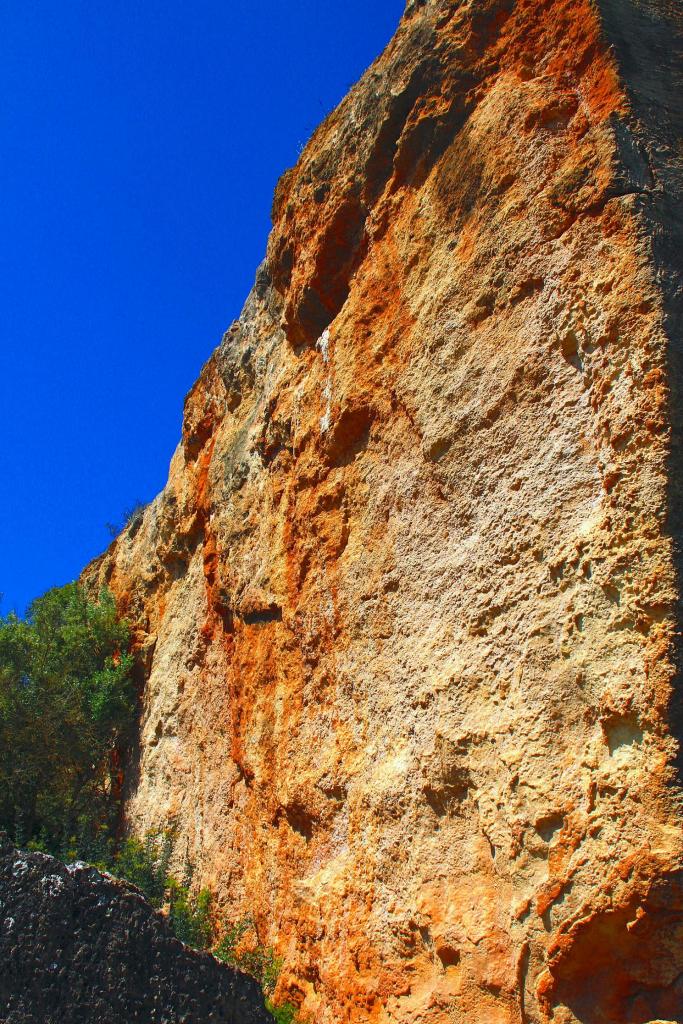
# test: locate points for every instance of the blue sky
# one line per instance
(141, 144)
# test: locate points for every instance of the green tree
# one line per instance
(67, 703)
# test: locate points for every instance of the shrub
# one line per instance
(130, 520)
(257, 960)
(190, 915)
(192, 924)
(132, 517)
(145, 864)
(285, 1013)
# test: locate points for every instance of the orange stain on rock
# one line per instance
(406, 609)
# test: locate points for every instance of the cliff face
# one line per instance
(78, 947)
(407, 609)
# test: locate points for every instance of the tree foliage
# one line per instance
(66, 706)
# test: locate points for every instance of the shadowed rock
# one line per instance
(78, 947)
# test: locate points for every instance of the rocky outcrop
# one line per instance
(78, 947)
(408, 609)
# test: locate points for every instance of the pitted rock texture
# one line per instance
(78, 947)
(408, 609)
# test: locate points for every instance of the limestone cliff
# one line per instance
(408, 608)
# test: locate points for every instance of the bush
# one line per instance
(285, 1013)
(145, 864)
(67, 704)
(257, 960)
(131, 520)
(190, 915)
(132, 517)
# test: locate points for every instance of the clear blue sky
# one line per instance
(141, 144)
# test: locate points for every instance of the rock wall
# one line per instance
(78, 947)
(408, 609)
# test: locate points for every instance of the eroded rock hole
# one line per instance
(299, 820)
(260, 616)
(448, 955)
(569, 345)
(621, 731)
(549, 826)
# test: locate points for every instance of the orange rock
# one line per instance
(408, 606)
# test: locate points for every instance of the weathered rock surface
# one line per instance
(78, 947)
(408, 608)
